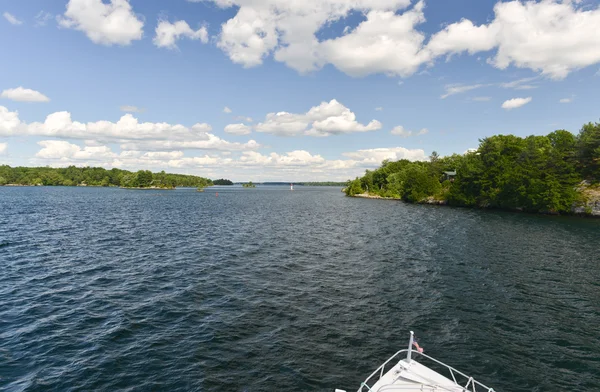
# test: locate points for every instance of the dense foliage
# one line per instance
(222, 181)
(96, 176)
(535, 173)
(249, 185)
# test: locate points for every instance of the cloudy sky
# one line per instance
(287, 89)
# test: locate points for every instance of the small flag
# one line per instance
(419, 348)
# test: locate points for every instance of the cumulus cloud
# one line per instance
(10, 123)
(288, 29)
(168, 33)
(12, 19)
(553, 37)
(329, 118)
(226, 110)
(21, 94)
(292, 165)
(566, 100)
(386, 42)
(3, 147)
(112, 23)
(401, 131)
(374, 156)
(238, 129)
(60, 124)
(60, 149)
(515, 103)
(128, 131)
(212, 142)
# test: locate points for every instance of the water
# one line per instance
(272, 290)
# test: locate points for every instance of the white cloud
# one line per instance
(12, 19)
(21, 94)
(481, 99)
(551, 36)
(329, 118)
(226, 110)
(521, 84)
(212, 142)
(288, 29)
(386, 42)
(566, 100)
(131, 109)
(112, 23)
(400, 131)
(515, 103)
(462, 37)
(379, 109)
(128, 131)
(3, 147)
(60, 124)
(42, 18)
(374, 157)
(290, 166)
(238, 129)
(10, 123)
(452, 89)
(60, 149)
(168, 33)
(243, 119)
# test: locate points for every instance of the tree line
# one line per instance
(222, 181)
(96, 176)
(534, 173)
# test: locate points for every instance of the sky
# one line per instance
(287, 90)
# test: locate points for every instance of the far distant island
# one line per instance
(249, 185)
(97, 176)
(222, 181)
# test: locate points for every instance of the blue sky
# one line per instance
(353, 82)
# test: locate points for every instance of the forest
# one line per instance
(547, 174)
(222, 181)
(97, 176)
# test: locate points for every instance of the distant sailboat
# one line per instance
(291, 187)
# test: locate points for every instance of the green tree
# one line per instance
(588, 151)
(143, 178)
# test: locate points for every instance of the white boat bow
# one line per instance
(408, 375)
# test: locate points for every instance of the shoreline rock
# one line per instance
(370, 196)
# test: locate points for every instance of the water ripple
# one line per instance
(266, 289)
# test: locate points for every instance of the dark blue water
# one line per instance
(272, 290)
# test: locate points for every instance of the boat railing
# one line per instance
(467, 383)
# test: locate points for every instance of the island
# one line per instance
(222, 181)
(97, 176)
(249, 185)
(554, 174)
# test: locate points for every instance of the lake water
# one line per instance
(270, 290)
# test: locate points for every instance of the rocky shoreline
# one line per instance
(588, 207)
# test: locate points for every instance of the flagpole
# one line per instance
(410, 344)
